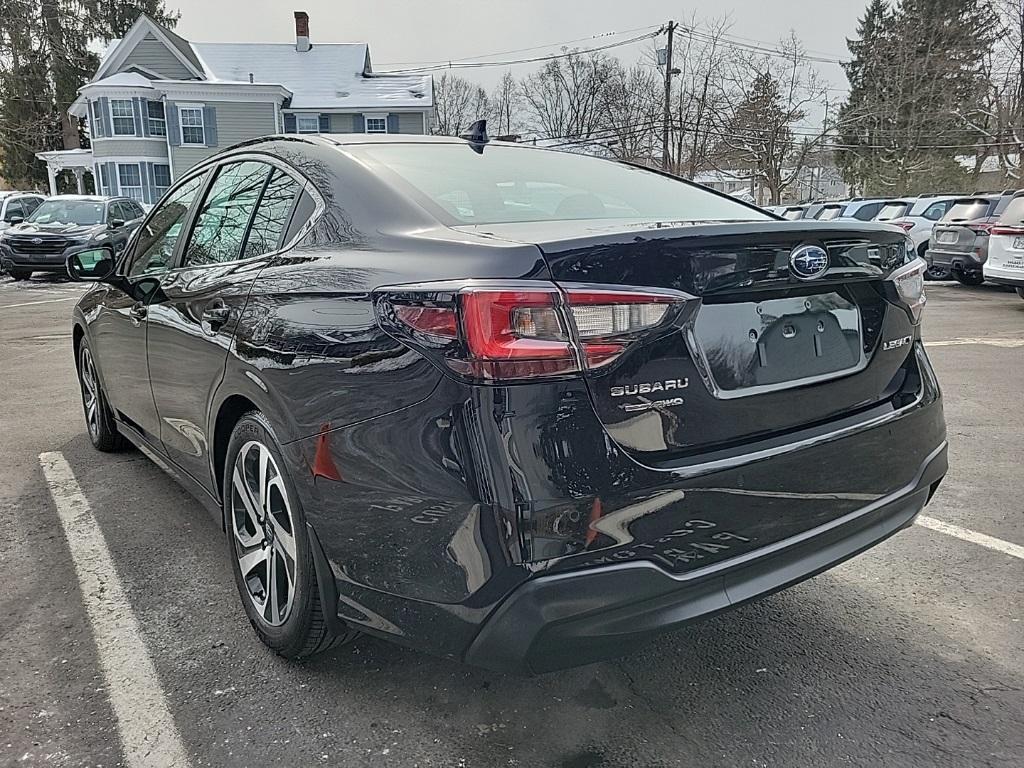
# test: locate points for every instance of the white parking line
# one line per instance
(989, 342)
(982, 539)
(44, 301)
(147, 730)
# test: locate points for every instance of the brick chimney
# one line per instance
(301, 31)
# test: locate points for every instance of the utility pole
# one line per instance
(667, 115)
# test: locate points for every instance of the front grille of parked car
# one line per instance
(37, 245)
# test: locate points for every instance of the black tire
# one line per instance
(1020, 292)
(99, 419)
(298, 629)
(20, 274)
(969, 278)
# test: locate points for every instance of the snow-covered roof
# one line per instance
(327, 76)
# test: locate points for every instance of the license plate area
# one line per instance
(1018, 243)
(757, 346)
(947, 237)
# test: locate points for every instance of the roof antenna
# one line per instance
(477, 136)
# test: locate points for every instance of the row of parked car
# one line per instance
(971, 238)
(38, 232)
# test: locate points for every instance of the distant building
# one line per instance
(812, 183)
(159, 104)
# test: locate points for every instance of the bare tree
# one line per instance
(457, 104)
(506, 106)
(565, 98)
(632, 101)
(772, 128)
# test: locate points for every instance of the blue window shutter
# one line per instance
(96, 119)
(289, 123)
(137, 116)
(105, 116)
(358, 123)
(393, 124)
(171, 115)
(114, 181)
(210, 125)
(325, 123)
(148, 194)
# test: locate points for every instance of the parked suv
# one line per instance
(917, 217)
(15, 207)
(63, 224)
(858, 209)
(513, 406)
(1005, 263)
(959, 242)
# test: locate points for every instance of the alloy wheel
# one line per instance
(263, 527)
(90, 393)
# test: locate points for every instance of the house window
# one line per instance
(157, 122)
(161, 179)
(122, 117)
(192, 130)
(376, 125)
(307, 123)
(129, 177)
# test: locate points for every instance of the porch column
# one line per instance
(79, 179)
(52, 176)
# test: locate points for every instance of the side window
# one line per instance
(114, 211)
(14, 208)
(30, 204)
(132, 211)
(223, 221)
(868, 212)
(936, 211)
(272, 214)
(156, 240)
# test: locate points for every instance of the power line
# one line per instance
(531, 60)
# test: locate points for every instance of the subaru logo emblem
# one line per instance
(36, 240)
(808, 262)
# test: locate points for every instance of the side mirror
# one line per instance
(15, 218)
(92, 265)
(116, 223)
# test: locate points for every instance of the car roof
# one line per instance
(85, 198)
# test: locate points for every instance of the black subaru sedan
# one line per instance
(521, 408)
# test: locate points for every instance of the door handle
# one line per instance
(216, 314)
(137, 313)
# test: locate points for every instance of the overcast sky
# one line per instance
(402, 31)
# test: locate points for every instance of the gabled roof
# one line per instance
(327, 77)
(119, 50)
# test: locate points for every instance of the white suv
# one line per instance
(1005, 264)
(917, 216)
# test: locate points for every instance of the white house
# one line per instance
(158, 104)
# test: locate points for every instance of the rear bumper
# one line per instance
(1011, 277)
(969, 261)
(564, 620)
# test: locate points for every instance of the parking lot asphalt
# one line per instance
(911, 654)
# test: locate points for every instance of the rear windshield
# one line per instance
(829, 212)
(1014, 213)
(892, 211)
(517, 184)
(792, 214)
(967, 210)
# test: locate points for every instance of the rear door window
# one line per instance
(867, 212)
(272, 214)
(936, 211)
(223, 221)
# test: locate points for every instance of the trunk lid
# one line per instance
(756, 353)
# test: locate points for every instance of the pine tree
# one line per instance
(916, 85)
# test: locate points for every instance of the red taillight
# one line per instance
(606, 320)
(999, 230)
(980, 229)
(433, 321)
(514, 335)
(499, 331)
(906, 226)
